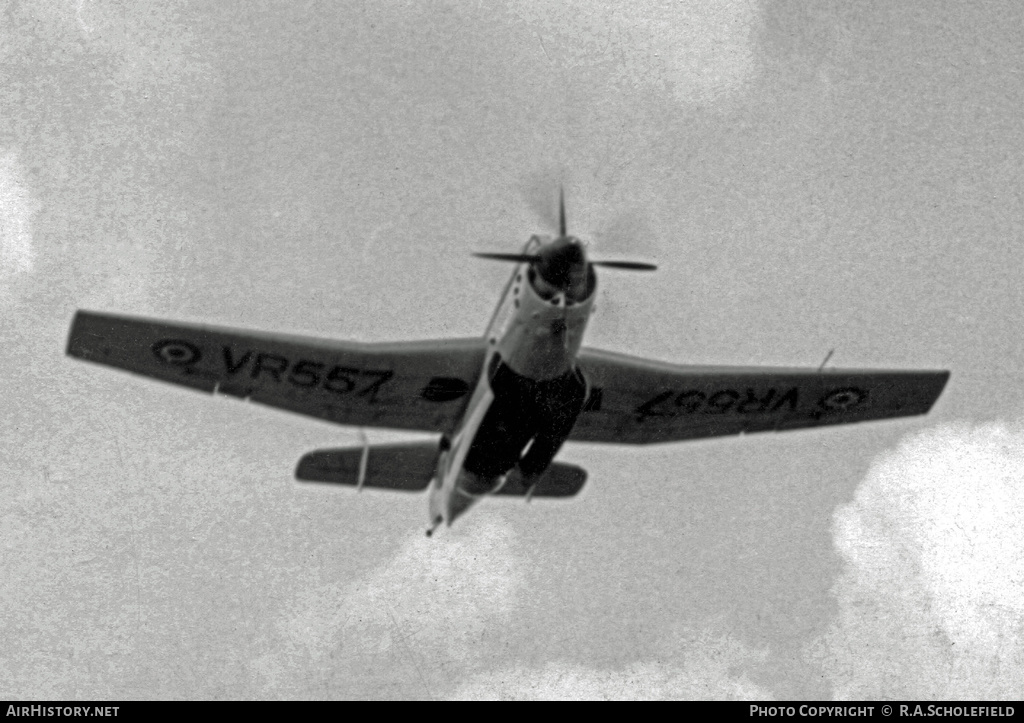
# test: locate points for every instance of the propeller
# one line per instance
(553, 260)
(537, 191)
(626, 265)
(515, 258)
(534, 258)
(561, 213)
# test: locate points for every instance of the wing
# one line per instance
(636, 401)
(416, 385)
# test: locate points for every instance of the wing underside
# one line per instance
(417, 385)
(425, 385)
(636, 401)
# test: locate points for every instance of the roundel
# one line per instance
(176, 352)
(845, 398)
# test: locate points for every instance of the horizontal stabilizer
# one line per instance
(408, 467)
(558, 480)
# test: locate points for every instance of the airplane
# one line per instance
(502, 404)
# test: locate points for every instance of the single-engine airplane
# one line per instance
(503, 404)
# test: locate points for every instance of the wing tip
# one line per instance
(941, 380)
(73, 348)
(82, 331)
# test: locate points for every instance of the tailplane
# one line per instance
(407, 467)
(411, 466)
(558, 480)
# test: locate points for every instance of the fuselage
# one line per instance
(530, 391)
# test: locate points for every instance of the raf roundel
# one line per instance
(842, 399)
(176, 352)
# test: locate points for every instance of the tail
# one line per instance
(406, 467)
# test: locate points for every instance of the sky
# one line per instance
(808, 176)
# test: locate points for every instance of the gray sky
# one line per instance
(808, 175)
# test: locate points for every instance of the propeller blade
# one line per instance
(561, 212)
(517, 258)
(627, 265)
(537, 189)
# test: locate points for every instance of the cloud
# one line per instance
(705, 667)
(17, 206)
(439, 593)
(931, 602)
(439, 619)
(703, 51)
(434, 607)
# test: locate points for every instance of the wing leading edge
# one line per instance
(637, 401)
(416, 385)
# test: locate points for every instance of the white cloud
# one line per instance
(17, 206)
(442, 591)
(932, 597)
(705, 667)
(438, 614)
(704, 50)
(436, 605)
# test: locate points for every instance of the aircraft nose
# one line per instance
(560, 259)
